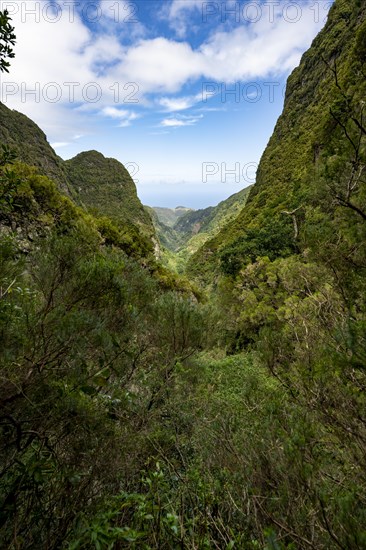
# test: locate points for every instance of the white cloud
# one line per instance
(177, 7)
(178, 14)
(79, 64)
(115, 113)
(126, 117)
(174, 122)
(125, 16)
(173, 104)
(120, 11)
(180, 121)
(260, 49)
(160, 65)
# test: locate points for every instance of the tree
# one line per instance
(7, 40)
(348, 172)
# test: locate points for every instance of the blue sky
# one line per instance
(184, 92)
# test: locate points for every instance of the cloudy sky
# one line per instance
(184, 92)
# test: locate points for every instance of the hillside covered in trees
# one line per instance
(182, 231)
(222, 407)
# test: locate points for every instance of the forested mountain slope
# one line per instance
(31, 145)
(104, 186)
(167, 236)
(169, 216)
(192, 222)
(323, 95)
(194, 227)
(199, 226)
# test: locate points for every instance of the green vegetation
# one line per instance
(169, 216)
(31, 146)
(101, 185)
(199, 230)
(183, 237)
(104, 187)
(138, 412)
(305, 135)
(166, 235)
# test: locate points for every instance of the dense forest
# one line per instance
(221, 405)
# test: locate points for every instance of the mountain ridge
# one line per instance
(90, 179)
(169, 216)
(31, 146)
(104, 186)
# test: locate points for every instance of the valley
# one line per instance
(180, 378)
(183, 231)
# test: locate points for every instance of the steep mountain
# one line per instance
(324, 94)
(101, 185)
(192, 222)
(212, 219)
(167, 236)
(31, 145)
(104, 187)
(181, 224)
(200, 226)
(169, 216)
(195, 227)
